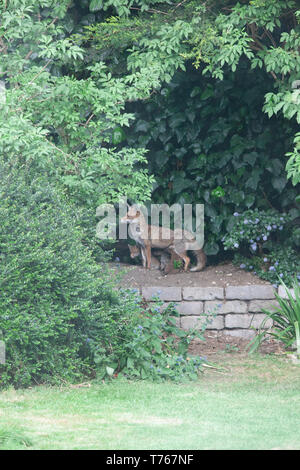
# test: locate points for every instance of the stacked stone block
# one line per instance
(238, 309)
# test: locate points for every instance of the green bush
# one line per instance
(265, 243)
(140, 341)
(49, 284)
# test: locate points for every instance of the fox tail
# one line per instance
(201, 260)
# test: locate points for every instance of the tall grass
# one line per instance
(13, 436)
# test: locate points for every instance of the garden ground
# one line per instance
(221, 275)
(246, 402)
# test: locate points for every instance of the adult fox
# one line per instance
(150, 236)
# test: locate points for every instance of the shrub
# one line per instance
(49, 283)
(140, 341)
(263, 242)
(286, 320)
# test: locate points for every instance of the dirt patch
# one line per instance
(216, 342)
(222, 275)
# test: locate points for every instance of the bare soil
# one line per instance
(217, 342)
(222, 275)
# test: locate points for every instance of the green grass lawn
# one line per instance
(253, 403)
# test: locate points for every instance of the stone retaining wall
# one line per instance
(238, 308)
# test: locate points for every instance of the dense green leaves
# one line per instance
(78, 119)
(212, 144)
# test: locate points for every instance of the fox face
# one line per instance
(134, 251)
(132, 216)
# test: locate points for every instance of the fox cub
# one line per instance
(165, 263)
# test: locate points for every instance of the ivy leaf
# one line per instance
(279, 183)
(96, 5)
(254, 179)
(211, 248)
(250, 158)
(180, 183)
(208, 93)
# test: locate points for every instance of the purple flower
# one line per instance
(236, 245)
(271, 268)
(274, 226)
(281, 227)
(256, 221)
(280, 275)
(242, 266)
(250, 267)
(117, 259)
(245, 221)
(276, 263)
(236, 214)
(265, 238)
(241, 232)
(254, 246)
(269, 227)
(265, 260)
(257, 238)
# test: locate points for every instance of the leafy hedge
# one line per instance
(49, 284)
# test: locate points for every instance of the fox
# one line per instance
(135, 252)
(175, 241)
(166, 262)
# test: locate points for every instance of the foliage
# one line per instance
(209, 142)
(282, 261)
(60, 319)
(49, 284)
(232, 159)
(145, 343)
(264, 240)
(79, 120)
(293, 164)
(286, 320)
(267, 34)
(68, 142)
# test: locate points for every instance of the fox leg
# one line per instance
(148, 256)
(183, 256)
(144, 258)
(186, 260)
